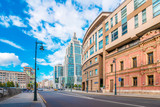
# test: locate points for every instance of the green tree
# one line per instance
(17, 85)
(75, 85)
(3, 84)
(79, 86)
(12, 84)
(8, 84)
(29, 85)
(0, 84)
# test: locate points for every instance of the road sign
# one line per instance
(119, 79)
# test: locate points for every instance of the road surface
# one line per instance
(68, 99)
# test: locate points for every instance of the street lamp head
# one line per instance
(114, 60)
(41, 48)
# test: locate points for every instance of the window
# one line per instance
(134, 62)
(122, 82)
(87, 74)
(156, 7)
(122, 65)
(92, 50)
(101, 44)
(144, 16)
(107, 41)
(134, 81)
(124, 20)
(111, 67)
(96, 71)
(150, 80)
(124, 15)
(116, 19)
(124, 28)
(90, 41)
(87, 54)
(111, 22)
(138, 3)
(90, 62)
(93, 38)
(136, 21)
(95, 59)
(96, 41)
(150, 58)
(107, 27)
(100, 32)
(90, 73)
(114, 34)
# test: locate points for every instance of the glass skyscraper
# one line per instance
(58, 80)
(72, 63)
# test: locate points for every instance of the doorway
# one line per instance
(111, 85)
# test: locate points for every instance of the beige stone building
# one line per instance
(16, 77)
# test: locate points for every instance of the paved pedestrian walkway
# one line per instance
(22, 100)
(121, 94)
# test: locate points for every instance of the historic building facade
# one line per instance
(116, 35)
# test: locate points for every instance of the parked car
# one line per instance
(3, 92)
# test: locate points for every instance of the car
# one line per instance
(40, 89)
(55, 89)
(3, 92)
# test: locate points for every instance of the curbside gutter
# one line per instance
(40, 98)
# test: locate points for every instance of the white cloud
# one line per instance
(110, 5)
(65, 17)
(17, 21)
(50, 20)
(53, 59)
(11, 20)
(49, 77)
(12, 44)
(7, 59)
(24, 65)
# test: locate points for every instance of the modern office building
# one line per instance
(126, 39)
(58, 79)
(72, 63)
(16, 77)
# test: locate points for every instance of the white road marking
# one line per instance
(80, 96)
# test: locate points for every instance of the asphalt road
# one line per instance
(68, 99)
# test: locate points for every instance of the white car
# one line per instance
(3, 92)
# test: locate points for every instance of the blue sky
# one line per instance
(52, 22)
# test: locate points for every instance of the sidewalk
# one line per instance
(121, 94)
(22, 100)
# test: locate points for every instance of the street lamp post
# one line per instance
(114, 61)
(35, 88)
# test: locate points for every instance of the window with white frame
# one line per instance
(156, 7)
(100, 32)
(101, 44)
(136, 21)
(144, 19)
(138, 3)
(114, 35)
(107, 27)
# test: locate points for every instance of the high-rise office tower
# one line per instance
(72, 63)
(58, 81)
